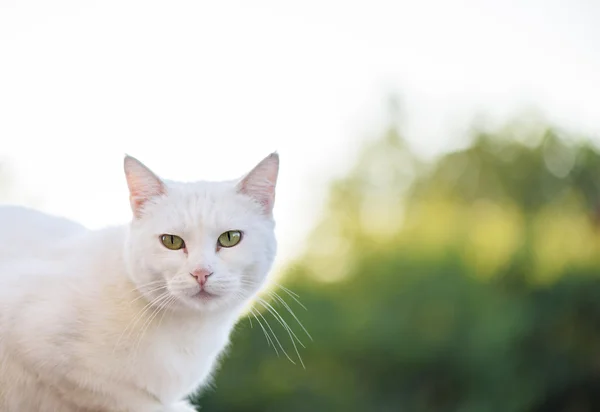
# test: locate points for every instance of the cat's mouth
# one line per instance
(203, 294)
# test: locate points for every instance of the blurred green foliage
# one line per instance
(465, 284)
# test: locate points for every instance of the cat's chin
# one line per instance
(204, 300)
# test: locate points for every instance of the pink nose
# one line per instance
(201, 275)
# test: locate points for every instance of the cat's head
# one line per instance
(202, 245)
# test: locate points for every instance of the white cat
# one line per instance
(131, 318)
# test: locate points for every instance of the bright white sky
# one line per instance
(204, 90)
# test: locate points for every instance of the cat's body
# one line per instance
(105, 320)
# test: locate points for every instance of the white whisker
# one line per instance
(280, 319)
(275, 336)
(293, 295)
(156, 310)
(283, 302)
(137, 318)
(269, 341)
(286, 327)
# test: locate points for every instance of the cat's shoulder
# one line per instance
(23, 218)
(27, 231)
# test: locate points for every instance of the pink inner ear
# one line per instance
(143, 184)
(263, 194)
(136, 204)
(260, 183)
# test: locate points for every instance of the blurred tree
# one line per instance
(469, 285)
(501, 168)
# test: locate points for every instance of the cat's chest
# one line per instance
(175, 362)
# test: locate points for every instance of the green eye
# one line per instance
(230, 238)
(172, 242)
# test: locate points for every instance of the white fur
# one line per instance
(78, 331)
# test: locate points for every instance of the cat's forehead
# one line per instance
(200, 191)
(209, 205)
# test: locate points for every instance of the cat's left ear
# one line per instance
(260, 183)
(143, 184)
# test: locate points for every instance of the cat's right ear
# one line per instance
(143, 184)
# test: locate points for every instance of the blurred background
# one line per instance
(439, 199)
